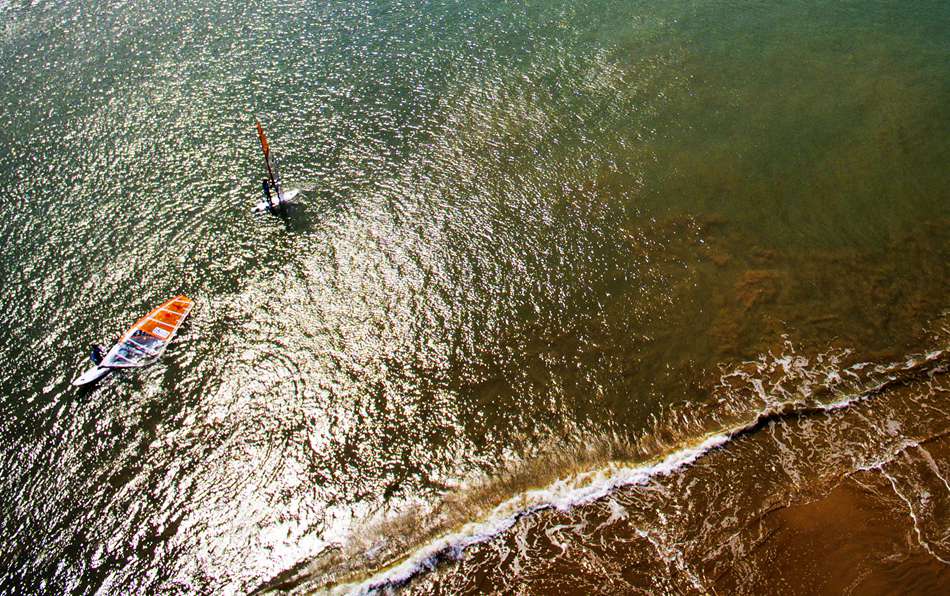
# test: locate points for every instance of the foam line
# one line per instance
(910, 509)
(563, 495)
(586, 487)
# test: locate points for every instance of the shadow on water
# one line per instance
(308, 211)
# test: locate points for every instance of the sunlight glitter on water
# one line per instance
(523, 228)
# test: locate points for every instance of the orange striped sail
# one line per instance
(271, 169)
(148, 338)
(263, 138)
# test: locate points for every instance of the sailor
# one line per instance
(97, 354)
(270, 204)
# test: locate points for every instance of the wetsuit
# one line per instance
(270, 204)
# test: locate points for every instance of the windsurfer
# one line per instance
(97, 354)
(274, 196)
(267, 197)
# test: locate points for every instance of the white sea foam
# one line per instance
(563, 494)
(583, 488)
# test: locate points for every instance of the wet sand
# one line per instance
(857, 539)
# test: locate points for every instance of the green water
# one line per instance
(524, 224)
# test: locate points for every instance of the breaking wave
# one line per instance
(773, 388)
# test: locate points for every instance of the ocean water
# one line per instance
(596, 296)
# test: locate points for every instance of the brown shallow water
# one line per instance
(831, 475)
(852, 500)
